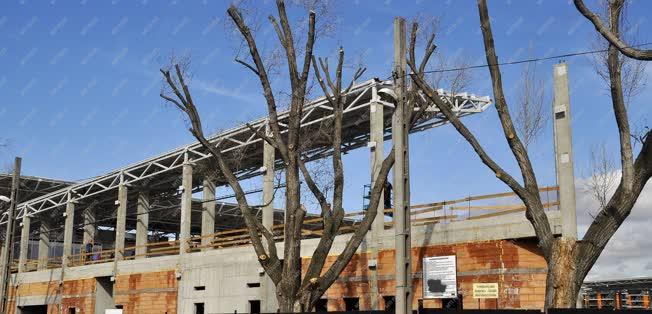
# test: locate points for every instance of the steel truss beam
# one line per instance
(243, 143)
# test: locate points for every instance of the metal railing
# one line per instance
(444, 212)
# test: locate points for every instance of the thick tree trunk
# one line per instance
(561, 284)
(288, 303)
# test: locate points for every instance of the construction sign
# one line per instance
(485, 290)
(439, 277)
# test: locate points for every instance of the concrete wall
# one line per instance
(103, 295)
(489, 250)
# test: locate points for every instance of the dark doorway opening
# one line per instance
(254, 306)
(352, 304)
(199, 308)
(390, 303)
(321, 305)
(452, 303)
(33, 309)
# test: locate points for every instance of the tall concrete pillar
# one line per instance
(68, 232)
(374, 238)
(564, 151)
(402, 224)
(24, 244)
(207, 213)
(43, 245)
(142, 224)
(269, 303)
(121, 223)
(186, 208)
(90, 228)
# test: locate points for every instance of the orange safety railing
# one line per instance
(468, 208)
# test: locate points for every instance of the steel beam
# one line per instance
(168, 164)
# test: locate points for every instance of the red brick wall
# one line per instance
(517, 266)
(78, 294)
(154, 292)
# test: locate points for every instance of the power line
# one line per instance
(567, 55)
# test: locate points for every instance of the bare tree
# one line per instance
(568, 260)
(632, 71)
(293, 292)
(455, 78)
(603, 177)
(613, 37)
(531, 118)
(640, 131)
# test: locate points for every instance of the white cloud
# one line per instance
(220, 90)
(629, 252)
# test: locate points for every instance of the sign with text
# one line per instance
(485, 290)
(439, 277)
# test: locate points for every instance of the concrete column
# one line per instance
(564, 151)
(269, 302)
(402, 224)
(121, 223)
(142, 225)
(186, 208)
(376, 144)
(68, 232)
(24, 243)
(90, 228)
(43, 245)
(207, 213)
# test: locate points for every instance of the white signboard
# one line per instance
(439, 277)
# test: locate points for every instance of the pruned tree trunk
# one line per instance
(561, 282)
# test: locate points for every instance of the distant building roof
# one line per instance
(619, 284)
(31, 187)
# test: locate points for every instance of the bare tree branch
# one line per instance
(269, 259)
(262, 75)
(530, 117)
(603, 178)
(610, 35)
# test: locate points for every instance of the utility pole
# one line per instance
(269, 302)
(9, 235)
(400, 130)
(375, 235)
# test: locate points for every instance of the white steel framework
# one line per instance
(242, 142)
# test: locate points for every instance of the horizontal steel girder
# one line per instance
(242, 142)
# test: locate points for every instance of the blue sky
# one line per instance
(80, 83)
